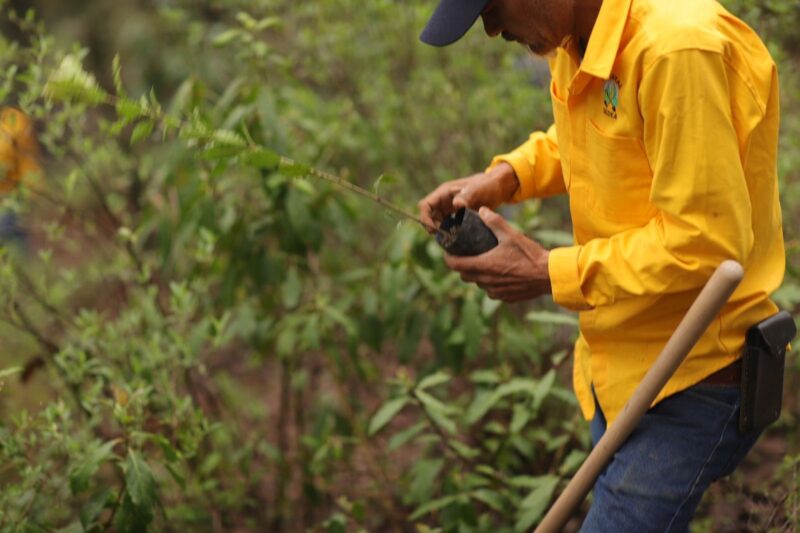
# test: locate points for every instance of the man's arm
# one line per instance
(531, 170)
(491, 188)
(537, 165)
(699, 187)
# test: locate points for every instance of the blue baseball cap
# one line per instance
(451, 20)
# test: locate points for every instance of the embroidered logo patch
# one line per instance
(611, 96)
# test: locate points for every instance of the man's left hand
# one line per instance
(514, 270)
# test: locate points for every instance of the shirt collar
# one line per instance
(601, 52)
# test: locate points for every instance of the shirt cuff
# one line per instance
(522, 168)
(565, 278)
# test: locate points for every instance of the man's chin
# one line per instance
(541, 51)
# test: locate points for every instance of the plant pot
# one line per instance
(465, 234)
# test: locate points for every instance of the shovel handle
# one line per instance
(703, 311)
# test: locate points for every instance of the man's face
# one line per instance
(539, 25)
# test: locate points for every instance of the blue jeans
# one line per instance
(11, 231)
(658, 476)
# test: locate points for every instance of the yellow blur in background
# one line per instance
(19, 151)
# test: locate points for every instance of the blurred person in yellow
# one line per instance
(665, 141)
(19, 164)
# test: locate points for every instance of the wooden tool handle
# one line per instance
(703, 311)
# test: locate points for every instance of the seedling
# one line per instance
(462, 233)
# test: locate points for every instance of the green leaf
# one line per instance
(554, 238)
(491, 498)
(464, 450)
(80, 477)
(10, 371)
(554, 443)
(183, 99)
(268, 22)
(220, 152)
(485, 376)
(128, 109)
(70, 82)
(179, 479)
(91, 510)
(534, 505)
(142, 131)
(292, 289)
(524, 482)
(246, 20)
(405, 436)
(302, 221)
(228, 137)
(413, 329)
(386, 413)
(383, 178)
(170, 453)
(489, 306)
(551, 317)
(481, 404)
(340, 318)
(572, 462)
(432, 403)
(305, 186)
(486, 400)
(472, 325)
(543, 388)
(291, 169)
(132, 518)
(438, 411)
(116, 69)
(520, 418)
(139, 481)
(262, 158)
(423, 476)
(517, 386)
(336, 524)
(287, 341)
(432, 506)
(432, 380)
(226, 37)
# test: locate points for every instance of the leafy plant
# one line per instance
(198, 338)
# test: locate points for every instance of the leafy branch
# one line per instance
(71, 83)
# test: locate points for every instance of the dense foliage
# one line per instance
(199, 335)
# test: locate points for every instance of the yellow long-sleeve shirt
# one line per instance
(665, 139)
(18, 149)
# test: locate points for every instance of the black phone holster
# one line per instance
(762, 371)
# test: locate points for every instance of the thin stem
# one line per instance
(385, 498)
(32, 290)
(775, 510)
(158, 114)
(26, 324)
(367, 194)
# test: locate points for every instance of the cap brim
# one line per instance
(451, 20)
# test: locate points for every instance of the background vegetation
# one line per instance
(196, 338)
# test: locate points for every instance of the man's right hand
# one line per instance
(488, 189)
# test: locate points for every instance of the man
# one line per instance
(665, 139)
(18, 163)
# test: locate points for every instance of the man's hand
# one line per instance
(515, 270)
(488, 189)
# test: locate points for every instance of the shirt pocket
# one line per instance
(619, 175)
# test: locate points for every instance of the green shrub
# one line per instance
(209, 338)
